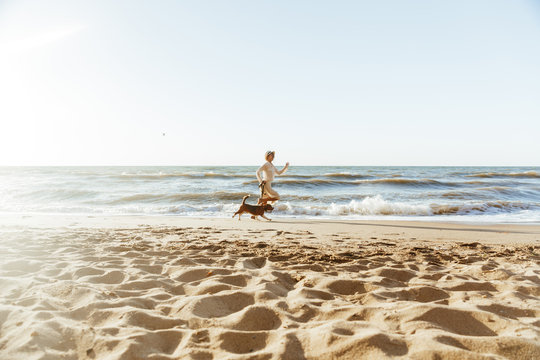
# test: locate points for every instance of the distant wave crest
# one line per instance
(527, 174)
(197, 197)
(385, 181)
(161, 176)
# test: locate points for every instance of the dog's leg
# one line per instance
(236, 213)
(266, 218)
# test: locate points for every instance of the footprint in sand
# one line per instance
(111, 277)
(461, 322)
(255, 318)
(221, 305)
(238, 342)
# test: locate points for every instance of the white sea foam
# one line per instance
(375, 205)
(378, 206)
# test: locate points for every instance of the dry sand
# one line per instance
(176, 288)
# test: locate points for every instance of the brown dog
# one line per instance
(254, 210)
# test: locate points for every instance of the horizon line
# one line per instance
(256, 165)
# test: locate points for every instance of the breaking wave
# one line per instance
(369, 206)
(378, 206)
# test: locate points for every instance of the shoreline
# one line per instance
(426, 230)
(389, 218)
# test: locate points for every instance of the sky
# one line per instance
(220, 82)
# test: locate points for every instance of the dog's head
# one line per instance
(268, 208)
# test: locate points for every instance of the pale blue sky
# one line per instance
(321, 82)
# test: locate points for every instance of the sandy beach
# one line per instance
(396, 142)
(133, 287)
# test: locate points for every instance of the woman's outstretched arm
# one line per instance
(282, 170)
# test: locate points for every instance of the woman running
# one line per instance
(265, 175)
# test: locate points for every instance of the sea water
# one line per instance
(476, 194)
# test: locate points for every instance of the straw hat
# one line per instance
(268, 153)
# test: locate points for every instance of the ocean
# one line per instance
(467, 194)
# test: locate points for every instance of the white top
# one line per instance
(268, 170)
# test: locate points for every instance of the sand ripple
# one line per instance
(206, 293)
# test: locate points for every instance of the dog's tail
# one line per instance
(244, 199)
